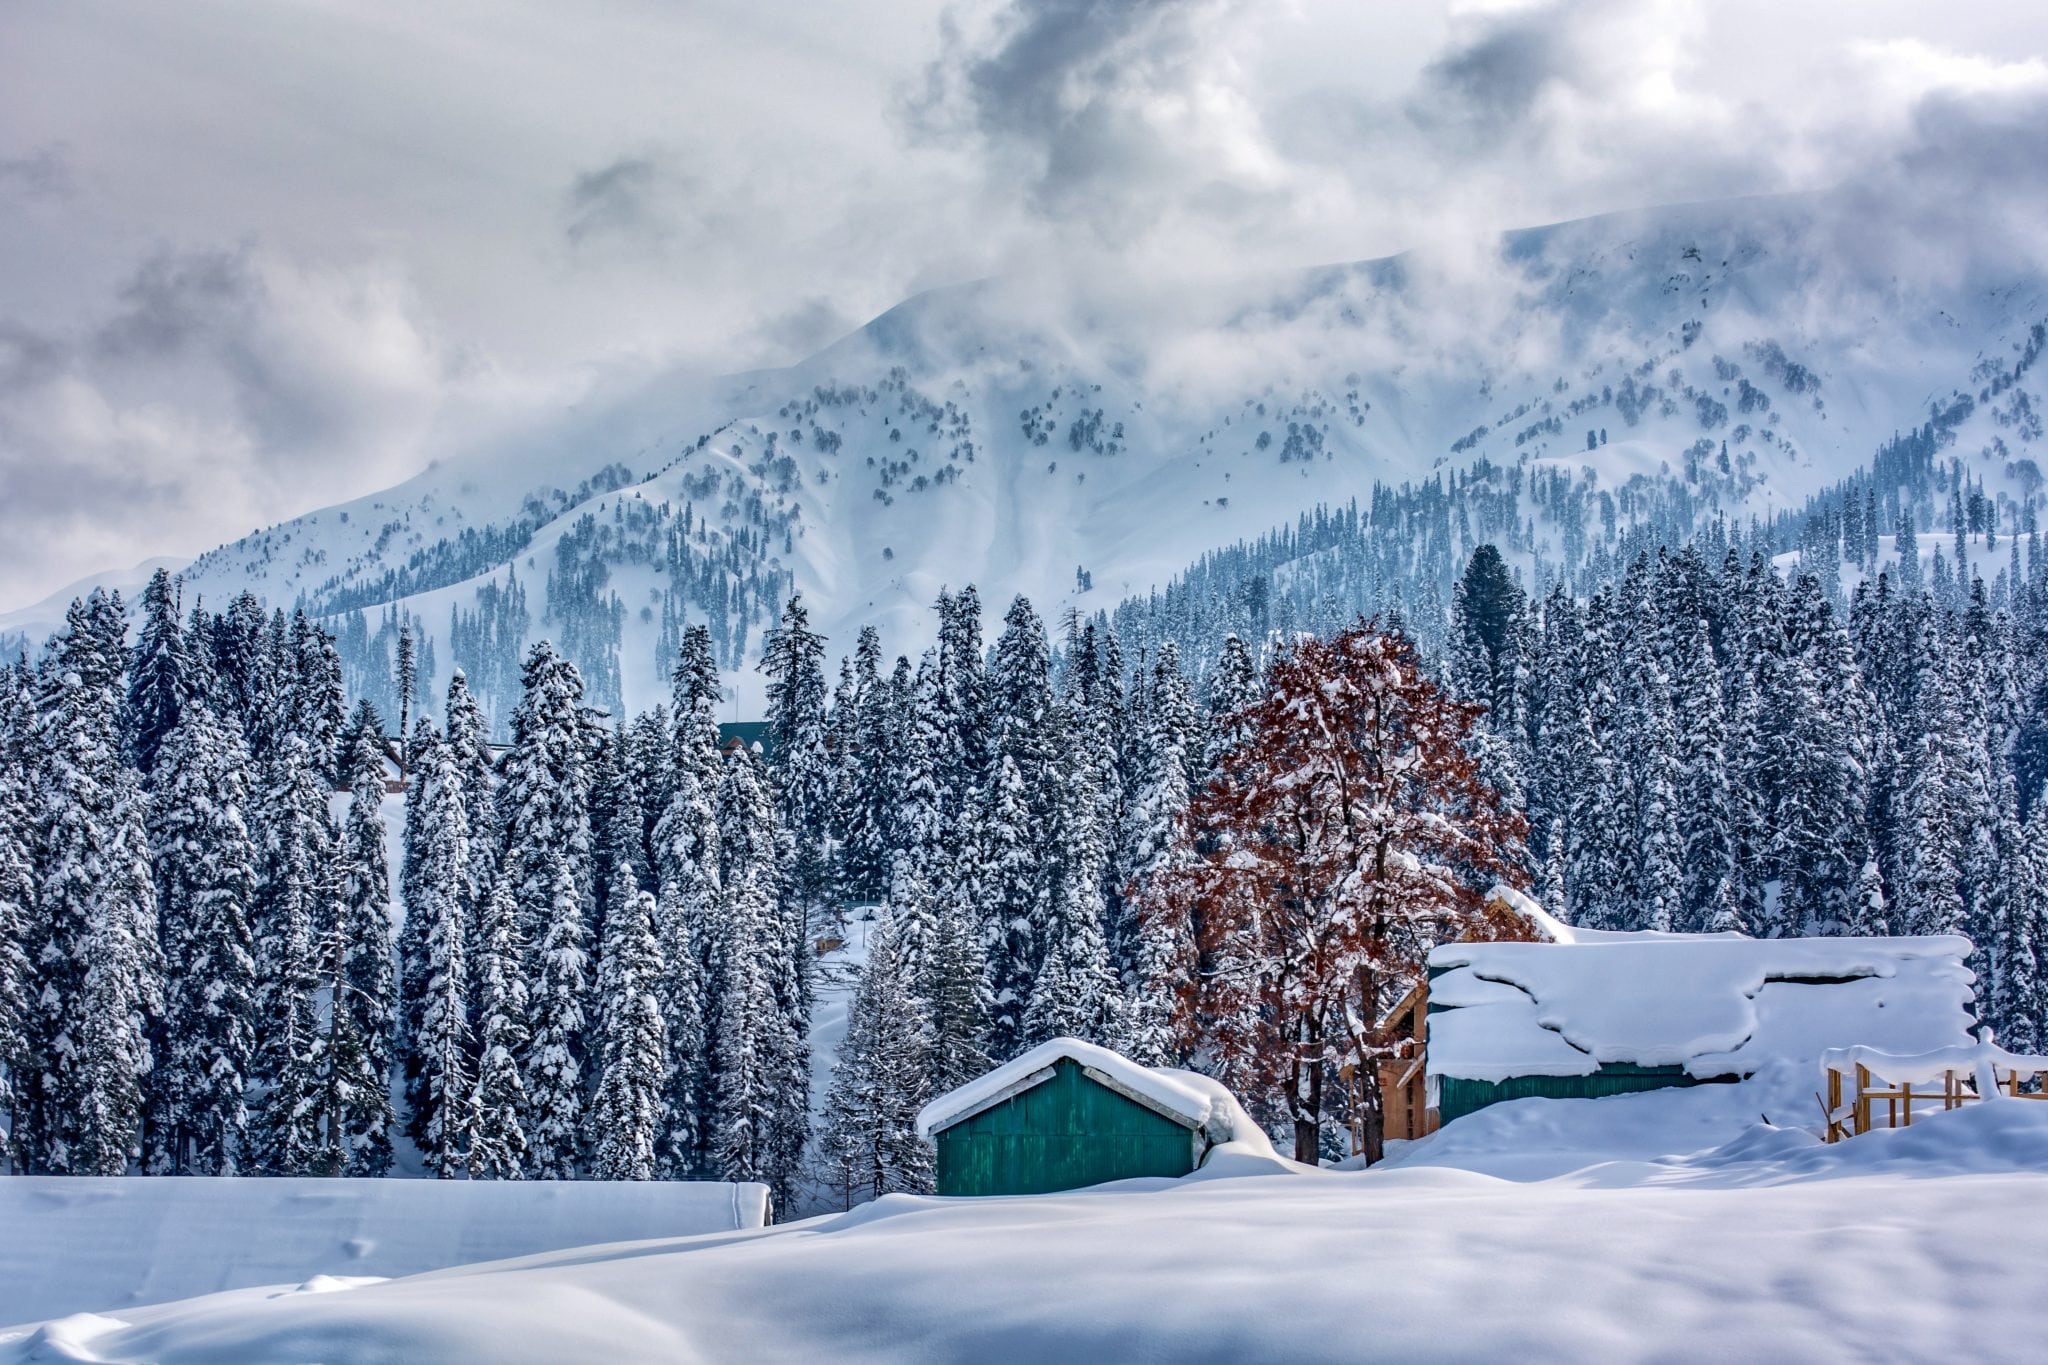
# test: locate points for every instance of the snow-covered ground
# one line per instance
(1668, 1225)
(70, 1244)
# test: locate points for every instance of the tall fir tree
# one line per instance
(437, 1052)
(555, 1052)
(17, 909)
(205, 865)
(626, 1116)
(498, 1106)
(679, 1149)
(754, 1045)
(160, 674)
(363, 992)
(880, 1080)
(95, 948)
(295, 897)
(800, 761)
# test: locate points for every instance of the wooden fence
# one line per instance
(1869, 1089)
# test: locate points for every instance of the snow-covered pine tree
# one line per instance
(879, 1082)
(1011, 904)
(627, 1113)
(1814, 732)
(82, 803)
(2026, 951)
(420, 759)
(679, 1147)
(1646, 741)
(800, 762)
(1075, 993)
(961, 754)
(867, 792)
(437, 1051)
(754, 1045)
(362, 992)
(1233, 686)
(468, 740)
(1484, 609)
(1708, 896)
(1932, 898)
(954, 994)
(405, 677)
(554, 1056)
(544, 800)
(913, 910)
(650, 746)
(205, 868)
(160, 678)
(1155, 839)
(296, 893)
(498, 1104)
(686, 837)
(112, 1058)
(17, 904)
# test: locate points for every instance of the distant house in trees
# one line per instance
(394, 771)
(1596, 1013)
(1068, 1114)
(744, 734)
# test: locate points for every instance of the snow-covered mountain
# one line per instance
(1084, 440)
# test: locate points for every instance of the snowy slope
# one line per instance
(1917, 1245)
(1122, 430)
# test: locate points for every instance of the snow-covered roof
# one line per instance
(1716, 1004)
(1176, 1094)
(1927, 1067)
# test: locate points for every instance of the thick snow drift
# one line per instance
(1716, 1004)
(1901, 1246)
(69, 1244)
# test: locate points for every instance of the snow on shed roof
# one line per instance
(1716, 1004)
(1171, 1093)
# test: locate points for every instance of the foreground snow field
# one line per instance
(1921, 1244)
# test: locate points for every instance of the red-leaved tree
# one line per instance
(1348, 832)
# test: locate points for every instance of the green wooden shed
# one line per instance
(1068, 1114)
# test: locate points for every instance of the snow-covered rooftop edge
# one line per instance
(1175, 1093)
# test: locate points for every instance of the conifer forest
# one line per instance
(604, 965)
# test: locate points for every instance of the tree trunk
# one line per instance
(1307, 1087)
(1374, 1127)
(1372, 1121)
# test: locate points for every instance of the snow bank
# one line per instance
(1718, 1005)
(73, 1244)
(1241, 1146)
(1897, 1246)
(1180, 1094)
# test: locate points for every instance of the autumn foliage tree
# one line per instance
(1346, 832)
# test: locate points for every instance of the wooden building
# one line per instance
(1068, 1114)
(1595, 1014)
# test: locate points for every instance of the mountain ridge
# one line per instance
(1083, 444)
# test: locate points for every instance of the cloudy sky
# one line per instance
(256, 257)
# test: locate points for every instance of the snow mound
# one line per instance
(1977, 1139)
(1617, 1261)
(75, 1243)
(1716, 1004)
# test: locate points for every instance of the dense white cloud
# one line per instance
(254, 256)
